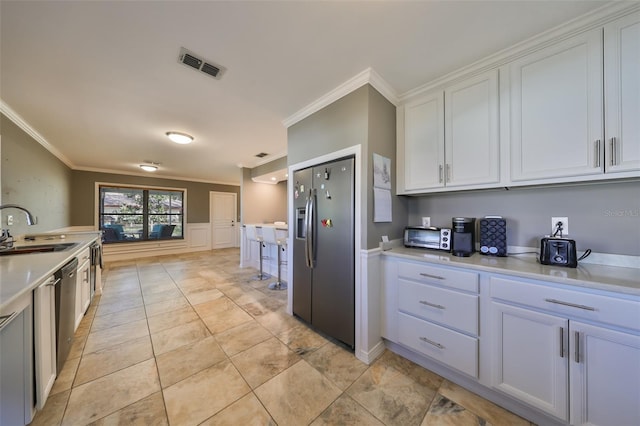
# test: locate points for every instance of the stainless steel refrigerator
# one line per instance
(323, 248)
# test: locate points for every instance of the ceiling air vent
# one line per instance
(192, 60)
(261, 155)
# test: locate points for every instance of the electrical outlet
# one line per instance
(565, 225)
(10, 220)
(426, 221)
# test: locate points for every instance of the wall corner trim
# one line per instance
(7, 111)
(368, 76)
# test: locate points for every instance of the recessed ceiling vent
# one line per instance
(192, 60)
(262, 155)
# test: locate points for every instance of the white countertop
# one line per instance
(281, 226)
(22, 273)
(608, 278)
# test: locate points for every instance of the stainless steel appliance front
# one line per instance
(323, 248)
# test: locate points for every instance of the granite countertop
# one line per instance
(22, 273)
(593, 276)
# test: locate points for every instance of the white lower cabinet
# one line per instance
(83, 286)
(435, 314)
(559, 354)
(579, 372)
(44, 339)
(530, 358)
(604, 368)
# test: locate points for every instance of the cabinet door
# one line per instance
(45, 340)
(605, 376)
(82, 292)
(423, 143)
(622, 94)
(472, 154)
(557, 109)
(530, 360)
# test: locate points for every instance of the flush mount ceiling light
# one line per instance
(181, 138)
(148, 167)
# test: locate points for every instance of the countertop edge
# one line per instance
(37, 281)
(559, 278)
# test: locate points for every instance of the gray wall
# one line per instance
(270, 167)
(604, 217)
(363, 117)
(382, 141)
(263, 202)
(33, 178)
(83, 186)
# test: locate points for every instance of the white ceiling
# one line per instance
(100, 81)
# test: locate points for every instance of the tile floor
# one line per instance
(193, 340)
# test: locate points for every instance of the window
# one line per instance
(129, 214)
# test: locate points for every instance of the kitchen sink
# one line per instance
(41, 248)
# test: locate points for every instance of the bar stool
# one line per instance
(269, 236)
(251, 233)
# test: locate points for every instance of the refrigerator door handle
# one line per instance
(310, 219)
(306, 228)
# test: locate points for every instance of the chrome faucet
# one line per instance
(6, 240)
(31, 220)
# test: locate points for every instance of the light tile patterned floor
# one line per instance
(192, 339)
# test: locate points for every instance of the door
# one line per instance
(423, 143)
(301, 287)
(333, 282)
(45, 339)
(223, 212)
(599, 360)
(471, 132)
(622, 94)
(557, 109)
(530, 359)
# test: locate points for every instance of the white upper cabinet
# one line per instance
(622, 94)
(449, 138)
(472, 154)
(423, 146)
(556, 99)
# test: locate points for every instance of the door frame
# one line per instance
(235, 216)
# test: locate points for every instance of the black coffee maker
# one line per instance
(463, 240)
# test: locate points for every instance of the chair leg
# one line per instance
(261, 276)
(278, 285)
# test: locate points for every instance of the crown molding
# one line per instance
(154, 175)
(22, 124)
(368, 76)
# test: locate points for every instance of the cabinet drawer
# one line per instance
(446, 346)
(569, 303)
(461, 280)
(84, 256)
(450, 308)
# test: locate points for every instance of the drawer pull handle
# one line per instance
(572, 305)
(424, 302)
(437, 277)
(53, 283)
(431, 342)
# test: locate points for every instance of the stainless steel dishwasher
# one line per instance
(65, 311)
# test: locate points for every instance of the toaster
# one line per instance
(558, 251)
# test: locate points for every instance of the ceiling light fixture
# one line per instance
(181, 138)
(148, 167)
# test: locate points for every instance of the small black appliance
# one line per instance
(558, 252)
(463, 236)
(493, 236)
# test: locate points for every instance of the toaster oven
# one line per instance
(427, 237)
